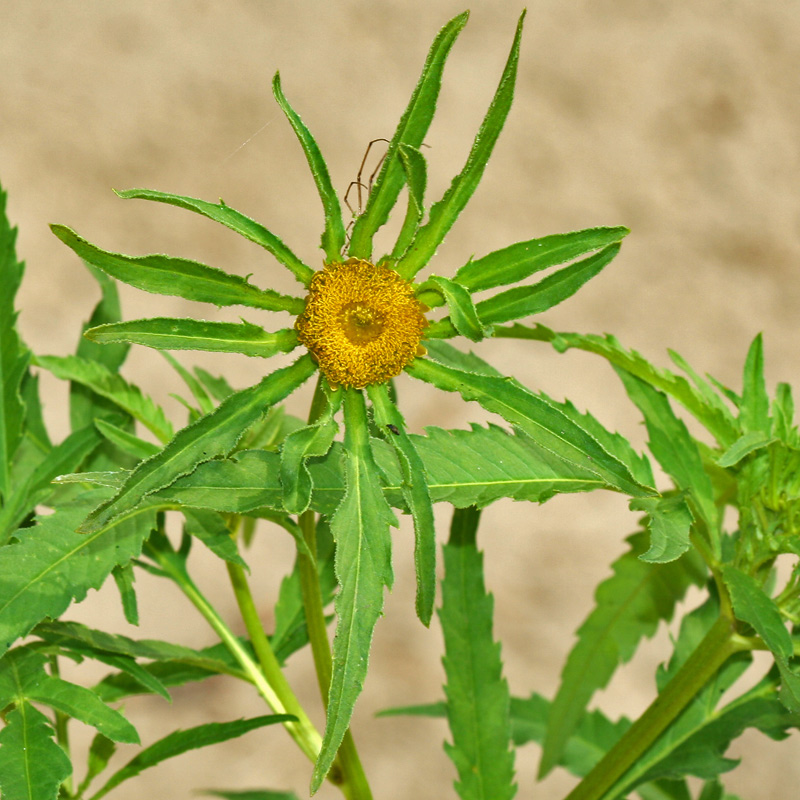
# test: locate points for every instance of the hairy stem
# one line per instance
(713, 651)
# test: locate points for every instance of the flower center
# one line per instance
(361, 323)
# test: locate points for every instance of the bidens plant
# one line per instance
(360, 322)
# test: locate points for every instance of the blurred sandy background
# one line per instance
(679, 120)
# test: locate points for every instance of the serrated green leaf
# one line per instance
(524, 301)
(31, 489)
(100, 752)
(213, 435)
(178, 277)
(32, 765)
(199, 392)
(212, 530)
(674, 448)
(333, 237)
(521, 260)
(111, 386)
(669, 521)
(255, 794)
(538, 418)
(754, 410)
(444, 213)
(182, 741)
(416, 174)
(360, 528)
(411, 130)
(715, 416)
(706, 757)
(125, 441)
(464, 468)
(84, 405)
(23, 679)
(753, 605)
(629, 606)
(236, 221)
(14, 356)
(290, 632)
(477, 693)
(743, 446)
(51, 565)
(166, 333)
(125, 579)
(84, 705)
(310, 441)
(417, 496)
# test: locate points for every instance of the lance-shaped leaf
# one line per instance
(307, 442)
(477, 693)
(213, 435)
(518, 261)
(113, 387)
(179, 277)
(333, 236)
(705, 405)
(32, 765)
(84, 405)
(182, 741)
(32, 488)
(463, 318)
(752, 605)
(673, 446)
(523, 301)
(417, 496)
(444, 213)
(411, 131)
(166, 333)
(363, 564)
(52, 565)
(669, 522)
(629, 606)
(24, 679)
(754, 410)
(416, 173)
(550, 427)
(14, 356)
(236, 221)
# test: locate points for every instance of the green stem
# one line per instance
(717, 646)
(280, 698)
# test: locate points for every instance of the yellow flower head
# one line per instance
(361, 323)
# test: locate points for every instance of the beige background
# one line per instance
(679, 120)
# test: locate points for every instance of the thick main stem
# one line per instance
(718, 645)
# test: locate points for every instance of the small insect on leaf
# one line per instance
(393, 428)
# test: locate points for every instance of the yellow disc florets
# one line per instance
(361, 323)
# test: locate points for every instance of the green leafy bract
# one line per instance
(360, 528)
